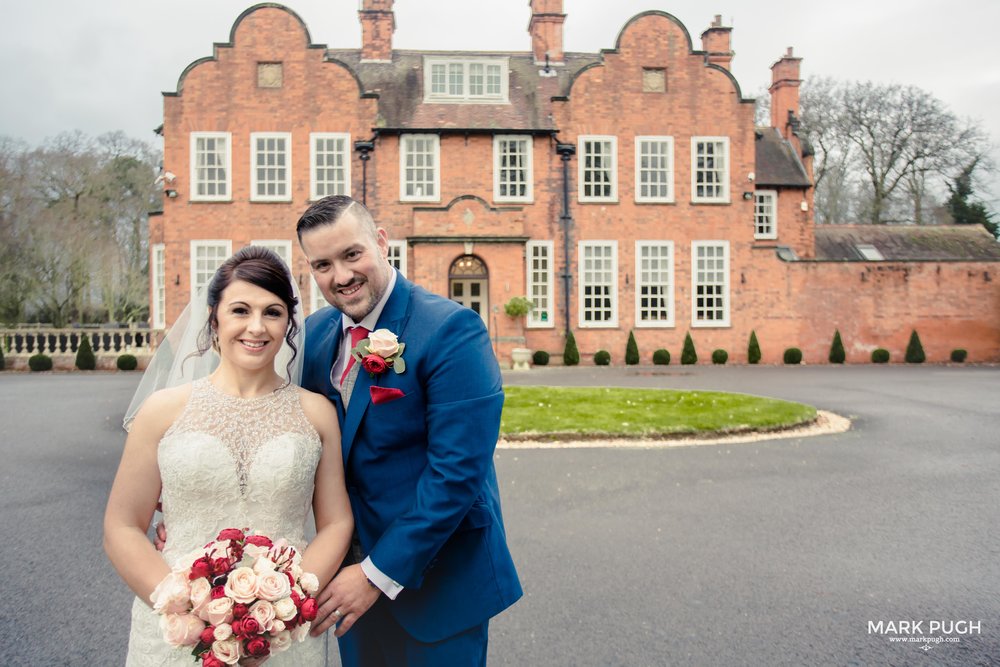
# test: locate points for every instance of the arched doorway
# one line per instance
(468, 284)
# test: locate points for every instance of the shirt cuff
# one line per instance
(376, 576)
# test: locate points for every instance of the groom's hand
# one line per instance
(344, 601)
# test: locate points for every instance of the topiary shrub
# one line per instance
(40, 362)
(85, 359)
(602, 358)
(793, 356)
(631, 350)
(880, 356)
(719, 357)
(571, 355)
(753, 349)
(540, 358)
(914, 350)
(688, 355)
(518, 306)
(127, 362)
(958, 355)
(837, 354)
(3, 362)
(661, 357)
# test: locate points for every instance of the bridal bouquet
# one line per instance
(242, 595)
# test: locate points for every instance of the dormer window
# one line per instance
(481, 80)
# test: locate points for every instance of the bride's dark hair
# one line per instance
(258, 266)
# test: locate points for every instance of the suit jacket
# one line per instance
(419, 468)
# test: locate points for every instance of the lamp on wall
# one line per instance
(170, 192)
(748, 196)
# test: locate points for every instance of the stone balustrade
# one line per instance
(26, 341)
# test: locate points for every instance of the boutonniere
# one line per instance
(380, 352)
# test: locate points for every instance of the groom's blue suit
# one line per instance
(419, 468)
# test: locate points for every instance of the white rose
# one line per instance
(277, 626)
(281, 641)
(383, 343)
(181, 629)
(273, 586)
(263, 611)
(265, 564)
(301, 631)
(242, 585)
(222, 632)
(219, 610)
(255, 551)
(285, 609)
(228, 651)
(309, 582)
(172, 595)
(201, 595)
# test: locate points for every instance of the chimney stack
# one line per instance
(784, 91)
(716, 42)
(377, 25)
(546, 29)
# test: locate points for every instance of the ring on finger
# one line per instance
(337, 614)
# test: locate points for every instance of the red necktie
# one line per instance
(358, 334)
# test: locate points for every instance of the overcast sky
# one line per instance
(101, 65)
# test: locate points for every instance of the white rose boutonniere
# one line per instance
(380, 352)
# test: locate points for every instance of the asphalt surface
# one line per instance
(784, 552)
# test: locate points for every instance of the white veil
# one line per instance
(178, 361)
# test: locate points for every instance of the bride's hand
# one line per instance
(160, 539)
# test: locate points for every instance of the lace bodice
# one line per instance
(230, 462)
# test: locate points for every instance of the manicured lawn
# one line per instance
(583, 411)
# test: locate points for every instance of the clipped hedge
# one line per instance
(914, 350)
(837, 354)
(40, 362)
(880, 356)
(540, 358)
(571, 354)
(958, 355)
(688, 354)
(719, 357)
(631, 350)
(85, 358)
(602, 358)
(793, 356)
(661, 357)
(3, 362)
(127, 362)
(753, 349)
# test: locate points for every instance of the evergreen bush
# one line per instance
(688, 355)
(661, 357)
(602, 358)
(3, 362)
(914, 350)
(540, 358)
(40, 362)
(571, 355)
(958, 355)
(631, 350)
(85, 359)
(719, 357)
(793, 356)
(837, 354)
(880, 356)
(127, 362)
(753, 349)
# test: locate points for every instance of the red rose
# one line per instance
(220, 566)
(208, 659)
(258, 647)
(374, 364)
(310, 609)
(200, 568)
(259, 540)
(296, 599)
(291, 579)
(237, 627)
(240, 610)
(249, 628)
(218, 592)
(208, 635)
(230, 534)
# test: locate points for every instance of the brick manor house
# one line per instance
(626, 190)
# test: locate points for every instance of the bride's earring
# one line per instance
(215, 341)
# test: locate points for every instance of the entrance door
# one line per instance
(468, 284)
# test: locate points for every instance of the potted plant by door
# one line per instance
(518, 308)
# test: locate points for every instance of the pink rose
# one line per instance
(228, 651)
(309, 582)
(172, 595)
(374, 364)
(277, 626)
(258, 647)
(383, 343)
(219, 611)
(209, 660)
(223, 632)
(309, 609)
(273, 586)
(281, 641)
(263, 611)
(241, 585)
(201, 595)
(230, 534)
(181, 629)
(285, 609)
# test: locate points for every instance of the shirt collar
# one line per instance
(371, 319)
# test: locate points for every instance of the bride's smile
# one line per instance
(251, 325)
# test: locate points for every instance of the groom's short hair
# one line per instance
(329, 210)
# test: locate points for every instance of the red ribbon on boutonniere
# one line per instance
(380, 352)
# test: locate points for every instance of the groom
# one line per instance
(431, 564)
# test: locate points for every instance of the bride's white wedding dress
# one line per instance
(230, 462)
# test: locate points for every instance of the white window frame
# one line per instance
(281, 247)
(397, 251)
(869, 252)
(458, 89)
(404, 152)
(286, 181)
(227, 165)
(227, 250)
(158, 276)
(582, 168)
(534, 318)
(316, 299)
(527, 167)
(613, 291)
(772, 222)
(639, 282)
(726, 292)
(668, 158)
(342, 188)
(723, 198)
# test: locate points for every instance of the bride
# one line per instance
(240, 447)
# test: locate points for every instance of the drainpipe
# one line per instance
(566, 151)
(364, 148)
